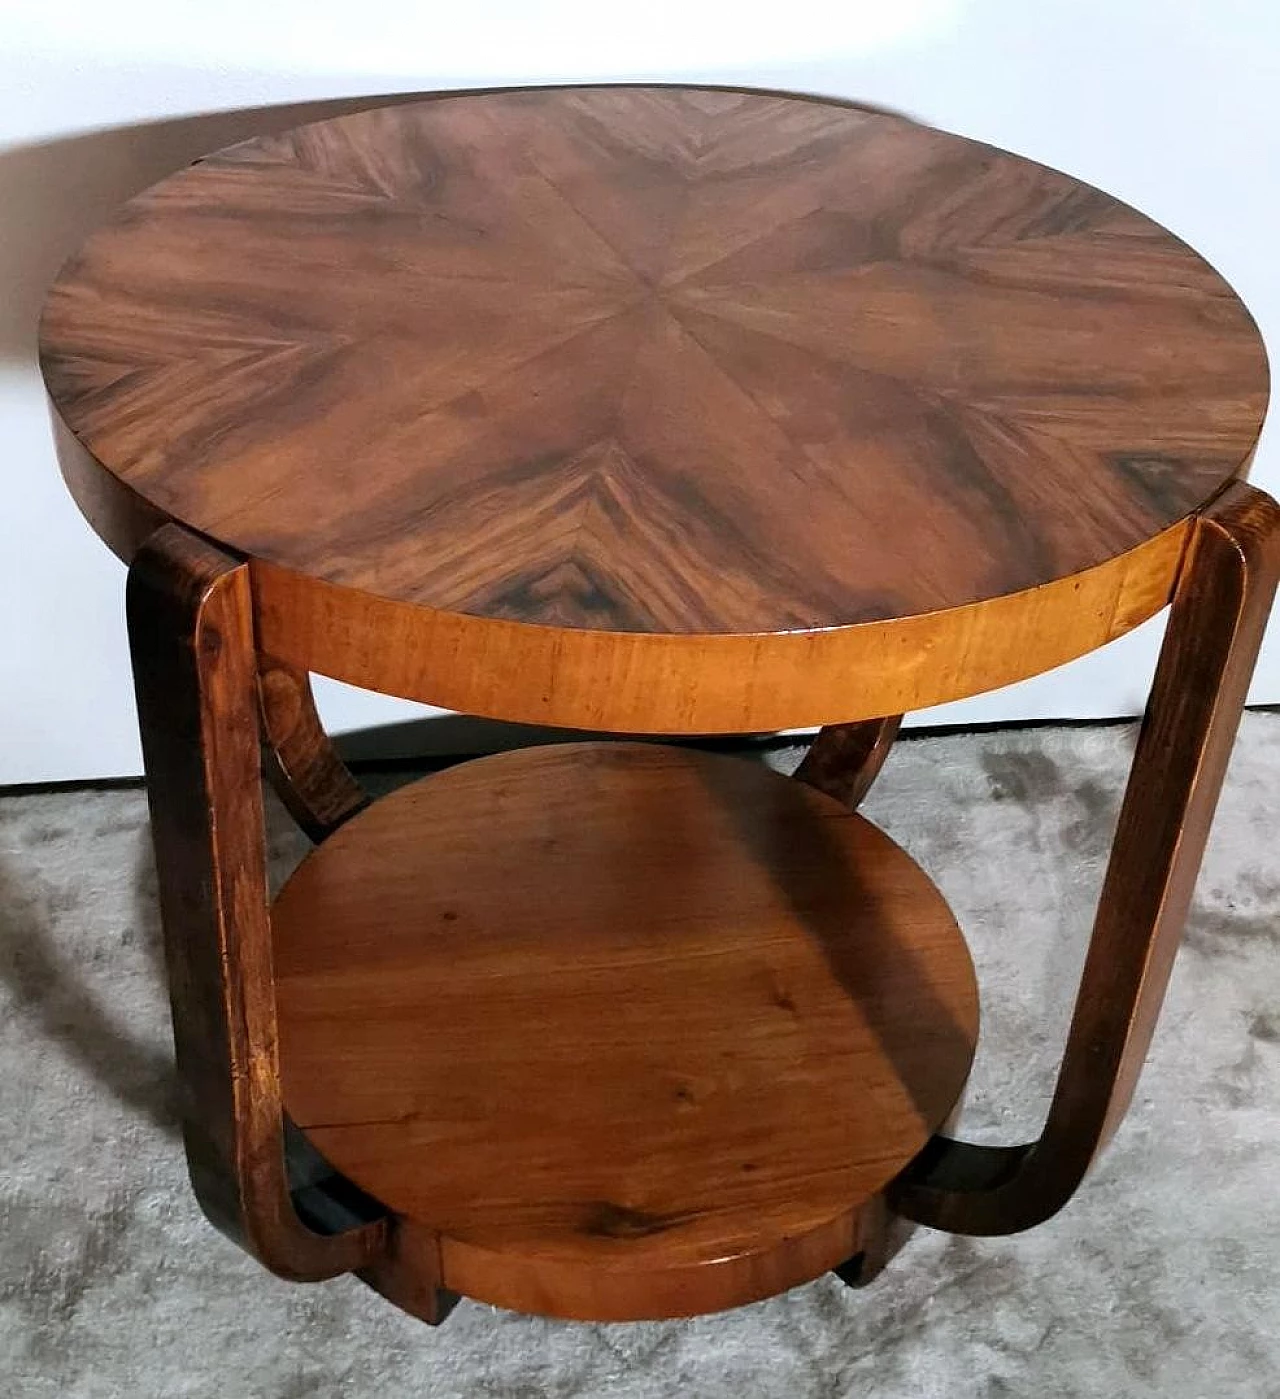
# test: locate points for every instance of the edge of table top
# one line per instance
(672, 682)
(653, 683)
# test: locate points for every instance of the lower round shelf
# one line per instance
(618, 1030)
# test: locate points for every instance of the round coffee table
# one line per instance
(651, 411)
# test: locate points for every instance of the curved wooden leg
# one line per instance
(302, 764)
(1220, 610)
(190, 629)
(845, 759)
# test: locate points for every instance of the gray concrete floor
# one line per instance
(1162, 1278)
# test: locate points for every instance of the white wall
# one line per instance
(1168, 103)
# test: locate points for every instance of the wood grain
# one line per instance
(634, 384)
(844, 760)
(1219, 615)
(190, 627)
(647, 683)
(652, 410)
(621, 1031)
(304, 767)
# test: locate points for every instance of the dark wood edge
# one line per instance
(190, 628)
(1220, 609)
(845, 759)
(302, 763)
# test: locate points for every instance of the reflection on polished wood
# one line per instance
(759, 407)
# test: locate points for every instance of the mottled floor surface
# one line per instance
(1161, 1279)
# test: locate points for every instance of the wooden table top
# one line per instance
(665, 362)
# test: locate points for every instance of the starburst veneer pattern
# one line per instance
(653, 410)
(629, 363)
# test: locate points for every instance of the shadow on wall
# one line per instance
(54, 193)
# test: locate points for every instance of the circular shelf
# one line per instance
(618, 1030)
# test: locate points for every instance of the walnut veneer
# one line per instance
(654, 410)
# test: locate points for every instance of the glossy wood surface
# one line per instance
(639, 409)
(303, 765)
(1219, 615)
(656, 408)
(642, 682)
(190, 627)
(844, 760)
(630, 1031)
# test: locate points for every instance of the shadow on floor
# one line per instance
(51, 991)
